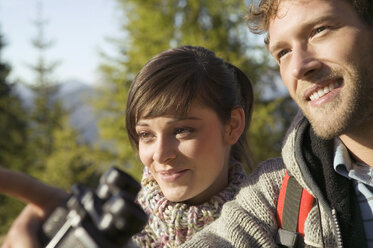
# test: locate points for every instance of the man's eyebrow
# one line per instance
(275, 46)
(303, 27)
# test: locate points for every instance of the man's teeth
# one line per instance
(321, 92)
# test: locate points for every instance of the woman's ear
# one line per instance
(235, 126)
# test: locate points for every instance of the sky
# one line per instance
(78, 28)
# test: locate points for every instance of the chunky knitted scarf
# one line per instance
(172, 223)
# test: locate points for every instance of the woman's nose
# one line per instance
(165, 150)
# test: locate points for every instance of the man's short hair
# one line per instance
(259, 15)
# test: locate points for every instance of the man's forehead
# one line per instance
(278, 11)
(293, 13)
(281, 8)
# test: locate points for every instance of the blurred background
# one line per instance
(66, 67)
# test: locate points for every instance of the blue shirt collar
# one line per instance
(345, 166)
(342, 161)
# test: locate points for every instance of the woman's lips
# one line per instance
(172, 175)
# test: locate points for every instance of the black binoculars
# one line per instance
(106, 217)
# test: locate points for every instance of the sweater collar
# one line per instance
(310, 160)
(172, 223)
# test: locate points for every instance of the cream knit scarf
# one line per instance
(172, 223)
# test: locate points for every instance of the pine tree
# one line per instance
(47, 111)
(12, 120)
(71, 161)
(13, 139)
(150, 27)
(61, 157)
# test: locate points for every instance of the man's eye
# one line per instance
(282, 53)
(318, 30)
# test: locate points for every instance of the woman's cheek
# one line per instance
(191, 148)
(145, 154)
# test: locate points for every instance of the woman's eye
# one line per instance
(145, 136)
(183, 131)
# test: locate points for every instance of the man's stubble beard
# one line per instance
(352, 108)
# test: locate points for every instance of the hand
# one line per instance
(42, 199)
(24, 230)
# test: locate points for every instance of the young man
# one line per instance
(324, 49)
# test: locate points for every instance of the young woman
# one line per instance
(187, 116)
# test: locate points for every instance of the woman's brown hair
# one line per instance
(172, 80)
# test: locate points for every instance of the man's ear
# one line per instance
(235, 126)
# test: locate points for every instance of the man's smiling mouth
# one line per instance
(322, 91)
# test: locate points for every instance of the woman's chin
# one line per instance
(176, 197)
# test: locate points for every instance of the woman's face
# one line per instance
(188, 157)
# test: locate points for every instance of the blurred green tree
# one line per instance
(13, 138)
(149, 27)
(13, 122)
(40, 141)
(47, 111)
(61, 157)
(71, 161)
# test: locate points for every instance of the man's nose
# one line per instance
(303, 62)
(165, 150)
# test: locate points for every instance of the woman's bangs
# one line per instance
(175, 100)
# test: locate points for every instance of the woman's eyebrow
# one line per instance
(191, 118)
(141, 123)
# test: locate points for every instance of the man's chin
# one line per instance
(329, 129)
(324, 134)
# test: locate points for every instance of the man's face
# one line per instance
(325, 54)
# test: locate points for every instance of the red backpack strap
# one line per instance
(306, 204)
(281, 199)
(294, 204)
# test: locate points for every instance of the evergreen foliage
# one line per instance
(40, 141)
(47, 112)
(71, 162)
(13, 138)
(60, 157)
(12, 120)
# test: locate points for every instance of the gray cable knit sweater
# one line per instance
(250, 219)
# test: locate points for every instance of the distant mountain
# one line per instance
(76, 97)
